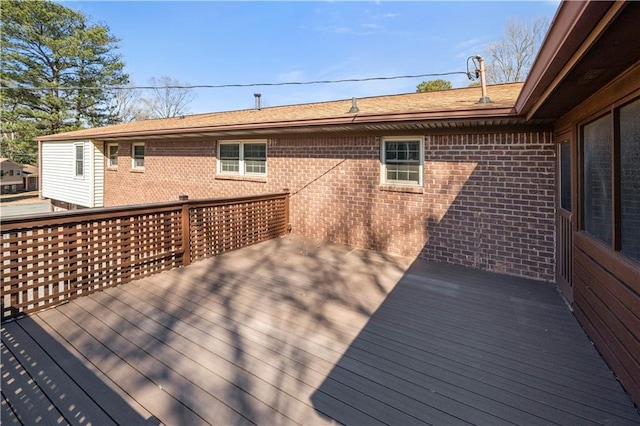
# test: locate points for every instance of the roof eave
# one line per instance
(576, 26)
(471, 113)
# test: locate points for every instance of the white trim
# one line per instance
(75, 160)
(109, 146)
(241, 160)
(383, 163)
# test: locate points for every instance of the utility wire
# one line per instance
(220, 86)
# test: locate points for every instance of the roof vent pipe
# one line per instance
(257, 96)
(483, 82)
(354, 106)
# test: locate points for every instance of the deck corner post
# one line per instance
(186, 233)
(287, 223)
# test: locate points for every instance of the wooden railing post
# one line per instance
(186, 235)
(287, 223)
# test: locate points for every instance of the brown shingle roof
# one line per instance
(455, 103)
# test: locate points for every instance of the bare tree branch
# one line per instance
(510, 59)
(165, 100)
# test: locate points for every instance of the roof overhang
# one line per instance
(433, 120)
(582, 52)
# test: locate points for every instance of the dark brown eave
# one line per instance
(581, 52)
(394, 122)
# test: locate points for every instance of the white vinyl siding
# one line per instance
(59, 180)
(98, 174)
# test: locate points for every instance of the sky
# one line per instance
(242, 42)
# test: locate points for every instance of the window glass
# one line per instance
(229, 158)
(402, 162)
(565, 175)
(255, 158)
(113, 155)
(630, 179)
(243, 158)
(597, 178)
(138, 156)
(79, 160)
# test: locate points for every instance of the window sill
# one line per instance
(242, 178)
(405, 189)
(112, 168)
(138, 170)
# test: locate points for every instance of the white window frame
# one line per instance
(133, 156)
(109, 163)
(420, 161)
(241, 162)
(76, 160)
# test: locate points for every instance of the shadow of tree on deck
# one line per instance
(41, 379)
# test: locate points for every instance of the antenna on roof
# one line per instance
(479, 73)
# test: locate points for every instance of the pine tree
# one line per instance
(56, 68)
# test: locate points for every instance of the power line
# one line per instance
(221, 86)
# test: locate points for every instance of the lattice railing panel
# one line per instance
(220, 228)
(49, 259)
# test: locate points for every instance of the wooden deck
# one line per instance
(292, 331)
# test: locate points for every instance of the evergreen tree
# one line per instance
(55, 68)
(433, 85)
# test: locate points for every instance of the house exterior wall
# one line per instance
(606, 282)
(59, 182)
(10, 176)
(487, 201)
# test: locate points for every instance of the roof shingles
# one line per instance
(371, 109)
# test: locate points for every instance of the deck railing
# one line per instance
(52, 258)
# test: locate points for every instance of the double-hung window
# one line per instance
(79, 159)
(137, 156)
(242, 158)
(402, 161)
(112, 155)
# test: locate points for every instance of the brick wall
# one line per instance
(487, 200)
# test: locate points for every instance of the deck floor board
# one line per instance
(293, 331)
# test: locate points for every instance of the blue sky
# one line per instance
(211, 42)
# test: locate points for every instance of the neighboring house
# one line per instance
(10, 176)
(543, 183)
(30, 176)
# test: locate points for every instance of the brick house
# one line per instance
(543, 182)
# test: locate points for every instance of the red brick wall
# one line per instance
(487, 200)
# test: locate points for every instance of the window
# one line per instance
(630, 179)
(597, 178)
(18, 172)
(79, 156)
(242, 158)
(564, 163)
(112, 155)
(402, 161)
(137, 156)
(611, 179)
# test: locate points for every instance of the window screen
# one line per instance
(597, 178)
(630, 179)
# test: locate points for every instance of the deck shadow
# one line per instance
(43, 382)
(455, 345)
